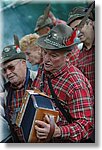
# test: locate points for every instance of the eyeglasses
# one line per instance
(9, 67)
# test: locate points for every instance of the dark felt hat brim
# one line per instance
(42, 23)
(77, 17)
(40, 42)
(40, 27)
(74, 18)
(13, 57)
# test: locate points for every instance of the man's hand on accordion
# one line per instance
(43, 129)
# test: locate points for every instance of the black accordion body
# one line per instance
(34, 107)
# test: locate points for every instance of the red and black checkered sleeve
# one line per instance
(81, 109)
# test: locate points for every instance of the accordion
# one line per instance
(35, 105)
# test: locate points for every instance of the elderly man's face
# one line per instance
(53, 61)
(15, 71)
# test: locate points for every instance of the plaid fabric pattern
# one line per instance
(17, 95)
(76, 94)
(73, 56)
(84, 60)
(13, 105)
(14, 108)
(86, 63)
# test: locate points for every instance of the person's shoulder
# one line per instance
(76, 77)
(72, 70)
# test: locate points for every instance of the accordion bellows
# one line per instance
(35, 106)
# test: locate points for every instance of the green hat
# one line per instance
(78, 13)
(56, 38)
(42, 22)
(10, 53)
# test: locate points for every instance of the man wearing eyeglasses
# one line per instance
(14, 68)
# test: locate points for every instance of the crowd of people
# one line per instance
(65, 55)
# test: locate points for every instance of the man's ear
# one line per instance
(23, 61)
(92, 23)
(48, 29)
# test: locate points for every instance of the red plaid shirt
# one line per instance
(84, 60)
(14, 103)
(14, 108)
(86, 63)
(74, 90)
(73, 56)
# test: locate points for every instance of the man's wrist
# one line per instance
(57, 132)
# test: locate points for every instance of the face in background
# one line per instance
(87, 30)
(43, 30)
(34, 55)
(29, 47)
(53, 61)
(15, 71)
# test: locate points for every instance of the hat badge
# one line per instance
(55, 36)
(7, 49)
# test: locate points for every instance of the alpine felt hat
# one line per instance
(78, 13)
(57, 38)
(10, 53)
(42, 22)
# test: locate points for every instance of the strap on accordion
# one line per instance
(52, 127)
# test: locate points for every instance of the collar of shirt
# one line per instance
(57, 73)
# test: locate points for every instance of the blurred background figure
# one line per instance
(33, 52)
(86, 58)
(47, 21)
